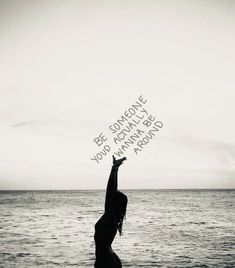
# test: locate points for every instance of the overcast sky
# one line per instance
(69, 69)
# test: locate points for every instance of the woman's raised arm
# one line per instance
(112, 186)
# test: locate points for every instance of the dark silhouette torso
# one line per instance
(105, 231)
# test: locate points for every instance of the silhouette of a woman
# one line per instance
(111, 221)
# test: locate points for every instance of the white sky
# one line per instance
(71, 68)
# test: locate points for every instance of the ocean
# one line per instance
(163, 228)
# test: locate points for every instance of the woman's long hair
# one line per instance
(121, 204)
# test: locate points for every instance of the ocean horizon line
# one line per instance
(125, 189)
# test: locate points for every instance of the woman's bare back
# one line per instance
(105, 231)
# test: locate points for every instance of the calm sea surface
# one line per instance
(163, 228)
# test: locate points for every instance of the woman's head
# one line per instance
(120, 208)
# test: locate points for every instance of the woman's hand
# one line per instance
(118, 162)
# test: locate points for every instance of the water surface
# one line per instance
(163, 228)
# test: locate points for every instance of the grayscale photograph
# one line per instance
(117, 134)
